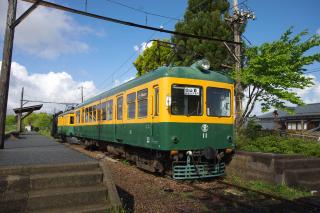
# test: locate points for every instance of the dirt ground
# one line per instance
(143, 192)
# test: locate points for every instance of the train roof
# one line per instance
(178, 72)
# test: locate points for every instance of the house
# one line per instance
(305, 117)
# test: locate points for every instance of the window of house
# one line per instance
(299, 126)
(186, 100)
(131, 102)
(109, 109)
(142, 103)
(119, 107)
(103, 111)
(156, 101)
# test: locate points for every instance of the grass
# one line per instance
(277, 190)
(116, 209)
(45, 132)
(277, 144)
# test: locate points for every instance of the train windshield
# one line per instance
(186, 100)
(218, 102)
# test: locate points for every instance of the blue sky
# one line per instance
(89, 50)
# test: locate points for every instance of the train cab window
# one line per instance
(142, 103)
(156, 101)
(119, 107)
(109, 110)
(103, 111)
(186, 100)
(71, 119)
(218, 102)
(78, 116)
(131, 102)
(94, 113)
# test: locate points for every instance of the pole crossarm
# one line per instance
(232, 53)
(118, 21)
(50, 102)
(26, 13)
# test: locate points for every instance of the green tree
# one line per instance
(41, 120)
(273, 71)
(153, 57)
(11, 120)
(205, 18)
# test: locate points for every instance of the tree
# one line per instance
(274, 70)
(153, 57)
(205, 18)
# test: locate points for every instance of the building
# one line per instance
(305, 117)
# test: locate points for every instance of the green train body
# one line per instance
(174, 118)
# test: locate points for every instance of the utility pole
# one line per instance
(19, 120)
(6, 66)
(237, 20)
(81, 87)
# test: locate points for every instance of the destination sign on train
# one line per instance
(191, 91)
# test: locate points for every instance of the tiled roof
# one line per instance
(308, 109)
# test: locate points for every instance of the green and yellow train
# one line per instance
(177, 120)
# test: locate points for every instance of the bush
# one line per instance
(281, 145)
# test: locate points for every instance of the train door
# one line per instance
(99, 120)
(155, 134)
(119, 126)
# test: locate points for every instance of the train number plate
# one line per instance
(191, 91)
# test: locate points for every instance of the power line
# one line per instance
(127, 23)
(143, 11)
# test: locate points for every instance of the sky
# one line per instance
(55, 52)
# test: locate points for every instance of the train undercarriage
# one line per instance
(180, 165)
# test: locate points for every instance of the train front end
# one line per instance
(200, 128)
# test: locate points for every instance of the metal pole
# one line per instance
(21, 104)
(6, 67)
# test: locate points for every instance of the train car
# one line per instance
(177, 120)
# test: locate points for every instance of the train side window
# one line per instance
(156, 101)
(90, 114)
(142, 103)
(119, 107)
(109, 109)
(103, 111)
(98, 112)
(82, 116)
(78, 116)
(131, 102)
(87, 115)
(94, 113)
(71, 119)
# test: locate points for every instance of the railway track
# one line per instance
(239, 198)
(243, 199)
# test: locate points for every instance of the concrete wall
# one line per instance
(275, 168)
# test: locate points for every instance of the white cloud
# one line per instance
(142, 47)
(318, 31)
(46, 33)
(310, 94)
(51, 86)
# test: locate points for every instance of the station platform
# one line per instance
(33, 149)
(38, 174)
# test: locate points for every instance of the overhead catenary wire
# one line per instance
(127, 23)
(142, 11)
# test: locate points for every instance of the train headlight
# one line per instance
(203, 64)
(189, 153)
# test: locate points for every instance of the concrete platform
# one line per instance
(38, 174)
(33, 149)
